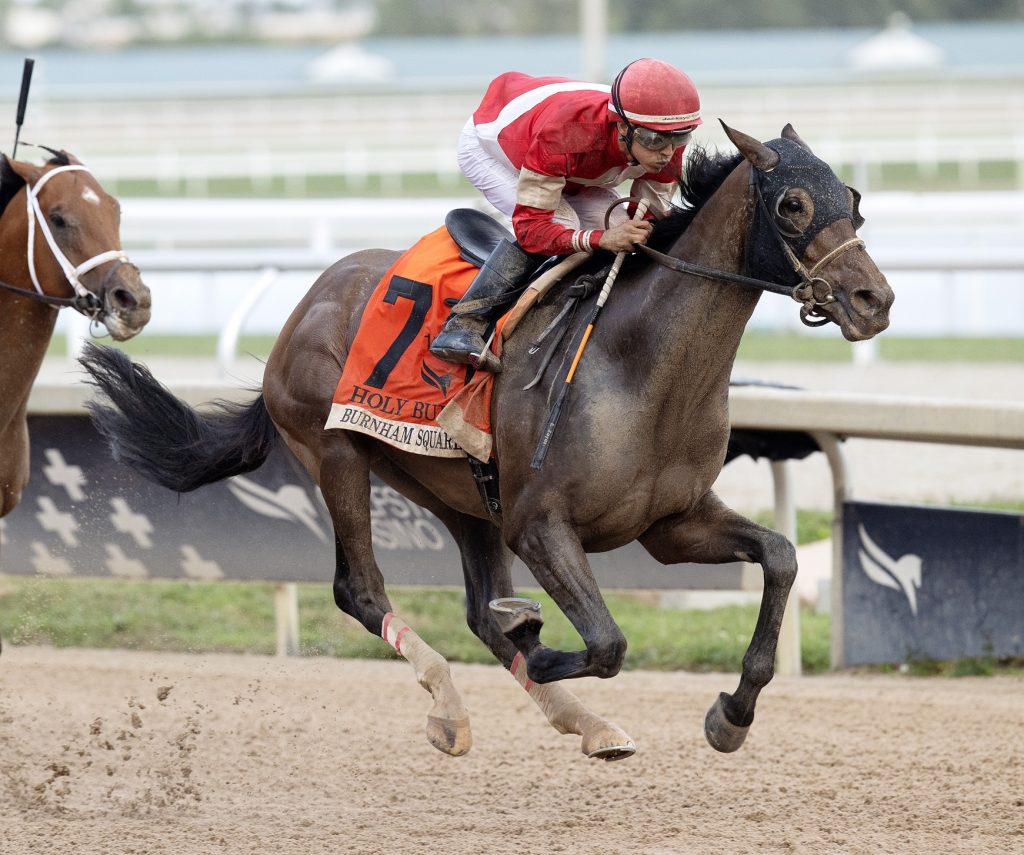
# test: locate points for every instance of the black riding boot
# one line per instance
(495, 287)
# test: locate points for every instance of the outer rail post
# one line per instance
(787, 654)
(841, 493)
(286, 612)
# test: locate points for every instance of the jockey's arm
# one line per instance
(533, 220)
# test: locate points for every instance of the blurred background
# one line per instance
(252, 142)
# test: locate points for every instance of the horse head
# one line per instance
(67, 229)
(803, 232)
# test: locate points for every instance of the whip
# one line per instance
(602, 298)
(26, 82)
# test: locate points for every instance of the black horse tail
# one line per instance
(163, 438)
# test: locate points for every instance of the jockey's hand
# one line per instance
(625, 236)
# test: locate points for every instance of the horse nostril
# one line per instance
(865, 301)
(123, 299)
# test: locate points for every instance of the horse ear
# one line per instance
(756, 152)
(28, 172)
(790, 134)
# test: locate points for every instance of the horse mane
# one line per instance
(11, 182)
(703, 174)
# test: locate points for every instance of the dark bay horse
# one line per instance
(641, 440)
(60, 245)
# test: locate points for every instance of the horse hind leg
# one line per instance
(359, 592)
(486, 564)
(714, 534)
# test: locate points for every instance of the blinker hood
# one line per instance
(797, 167)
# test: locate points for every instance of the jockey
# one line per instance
(549, 153)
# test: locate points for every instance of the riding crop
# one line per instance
(602, 298)
(26, 82)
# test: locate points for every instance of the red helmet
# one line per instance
(654, 94)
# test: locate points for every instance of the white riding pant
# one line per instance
(498, 183)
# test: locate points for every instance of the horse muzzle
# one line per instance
(862, 311)
(126, 303)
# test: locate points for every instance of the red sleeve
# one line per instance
(537, 231)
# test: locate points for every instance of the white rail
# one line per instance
(267, 266)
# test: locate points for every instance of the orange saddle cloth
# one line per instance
(392, 388)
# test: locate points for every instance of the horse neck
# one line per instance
(694, 325)
(26, 326)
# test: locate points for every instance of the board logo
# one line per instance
(903, 574)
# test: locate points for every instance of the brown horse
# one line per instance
(641, 440)
(59, 246)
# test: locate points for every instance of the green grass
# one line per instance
(308, 187)
(822, 347)
(946, 175)
(239, 618)
(200, 617)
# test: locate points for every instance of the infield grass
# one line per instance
(233, 617)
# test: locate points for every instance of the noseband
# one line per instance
(810, 290)
(84, 300)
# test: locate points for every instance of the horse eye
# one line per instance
(57, 221)
(794, 206)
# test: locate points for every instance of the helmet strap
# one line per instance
(626, 138)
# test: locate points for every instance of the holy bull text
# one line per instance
(390, 405)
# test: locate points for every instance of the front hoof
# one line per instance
(721, 733)
(608, 742)
(449, 736)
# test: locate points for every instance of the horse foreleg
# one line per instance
(13, 464)
(359, 591)
(486, 564)
(714, 534)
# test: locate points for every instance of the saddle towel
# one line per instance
(392, 388)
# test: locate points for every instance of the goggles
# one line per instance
(657, 140)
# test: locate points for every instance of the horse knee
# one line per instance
(605, 657)
(477, 621)
(779, 562)
(343, 599)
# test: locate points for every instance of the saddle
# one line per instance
(475, 233)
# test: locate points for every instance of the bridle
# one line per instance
(84, 300)
(811, 290)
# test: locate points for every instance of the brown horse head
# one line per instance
(75, 240)
(804, 232)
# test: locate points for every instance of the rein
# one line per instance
(84, 300)
(59, 302)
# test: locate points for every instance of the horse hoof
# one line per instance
(608, 743)
(613, 752)
(449, 736)
(721, 733)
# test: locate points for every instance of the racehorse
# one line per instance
(59, 246)
(641, 440)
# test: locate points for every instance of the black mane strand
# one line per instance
(703, 174)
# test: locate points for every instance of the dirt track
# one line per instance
(249, 754)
